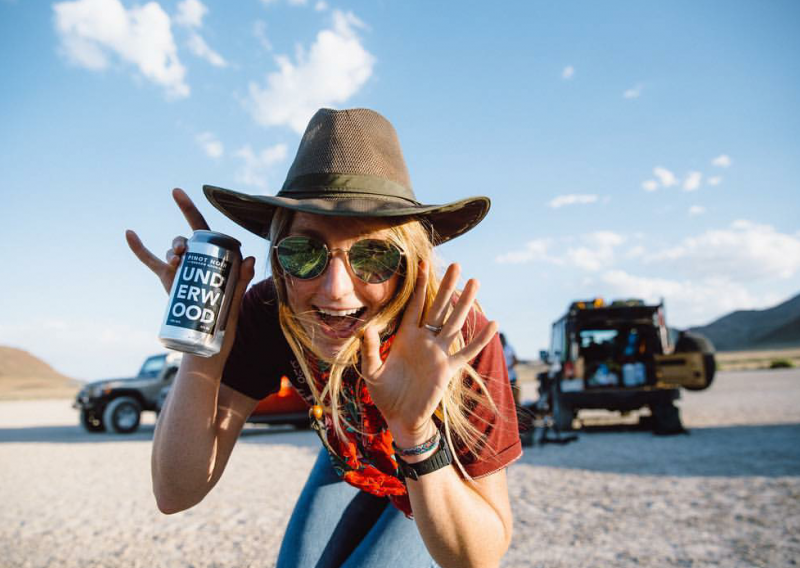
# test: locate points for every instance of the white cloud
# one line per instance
(568, 72)
(696, 300)
(692, 181)
(200, 48)
(696, 210)
(190, 13)
(715, 180)
(210, 145)
(321, 6)
(260, 31)
(90, 31)
(633, 93)
(635, 252)
(594, 251)
(745, 252)
(533, 251)
(650, 185)
(335, 68)
(298, 2)
(571, 199)
(254, 169)
(666, 177)
(598, 251)
(722, 161)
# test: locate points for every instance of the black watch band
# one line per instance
(441, 458)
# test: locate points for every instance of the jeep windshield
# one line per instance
(153, 366)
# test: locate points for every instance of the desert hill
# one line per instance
(772, 328)
(24, 376)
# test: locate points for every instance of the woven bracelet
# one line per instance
(425, 446)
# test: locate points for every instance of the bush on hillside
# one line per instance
(781, 364)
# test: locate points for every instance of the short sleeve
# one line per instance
(260, 355)
(502, 445)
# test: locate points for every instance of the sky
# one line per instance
(630, 149)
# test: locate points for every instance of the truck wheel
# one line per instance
(92, 422)
(563, 414)
(122, 415)
(689, 342)
(666, 419)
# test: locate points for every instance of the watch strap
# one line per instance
(441, 457)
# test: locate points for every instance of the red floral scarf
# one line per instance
(364, 458)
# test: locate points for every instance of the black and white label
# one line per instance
(198, 294)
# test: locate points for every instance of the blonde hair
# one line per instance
(459, 400)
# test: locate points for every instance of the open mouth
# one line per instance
(340, 323)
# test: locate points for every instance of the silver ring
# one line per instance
(434, 328)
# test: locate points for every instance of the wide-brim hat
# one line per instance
(349, 164)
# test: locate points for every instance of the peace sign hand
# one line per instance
(166, 270)
(410, 384)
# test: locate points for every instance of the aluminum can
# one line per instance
(201, 295)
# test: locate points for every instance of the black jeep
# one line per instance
(621, 357)
(117, 404)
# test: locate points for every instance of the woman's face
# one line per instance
(334, 305)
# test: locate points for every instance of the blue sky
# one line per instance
(645, 149)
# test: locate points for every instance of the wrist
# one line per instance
(405, 437)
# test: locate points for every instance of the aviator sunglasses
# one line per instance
(372, 260)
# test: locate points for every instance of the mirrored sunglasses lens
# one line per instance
(302, 257)
(374, 261)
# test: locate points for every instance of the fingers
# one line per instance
(477, 344)
(370, 351)
(417, 303)
(147, 258)
(175, 253)
(461, 310)
(438, 311)
(190, 212)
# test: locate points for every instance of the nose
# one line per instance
(337, 282)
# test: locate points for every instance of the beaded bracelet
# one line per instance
(425, 446)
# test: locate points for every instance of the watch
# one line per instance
(441, 458)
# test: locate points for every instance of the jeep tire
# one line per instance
(689, 342)
(92, 422)
(122, 415)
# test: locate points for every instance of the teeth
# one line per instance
(339, 313)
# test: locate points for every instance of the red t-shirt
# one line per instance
(261, 356)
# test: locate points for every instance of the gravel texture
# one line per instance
(727, 494)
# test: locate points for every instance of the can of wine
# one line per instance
(201, 294)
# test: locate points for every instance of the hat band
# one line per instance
(331, 186)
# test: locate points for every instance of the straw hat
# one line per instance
(349, 164)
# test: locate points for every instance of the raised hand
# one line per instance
(409, 385)
(166, 270)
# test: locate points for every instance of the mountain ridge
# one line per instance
(770, 328)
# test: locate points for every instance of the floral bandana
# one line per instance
(365, 458)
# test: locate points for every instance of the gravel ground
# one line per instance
(728, 494)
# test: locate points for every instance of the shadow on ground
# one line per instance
(77, 435)
(730, 451)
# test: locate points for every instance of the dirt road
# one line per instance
(728, 494)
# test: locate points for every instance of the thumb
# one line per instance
(370, 352)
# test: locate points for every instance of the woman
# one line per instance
(405, 376)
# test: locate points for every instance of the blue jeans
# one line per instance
(335, 525)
